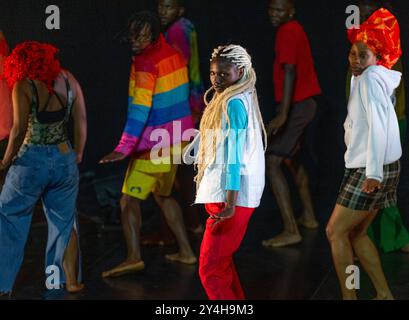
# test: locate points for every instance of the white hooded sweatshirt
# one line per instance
(371, 127)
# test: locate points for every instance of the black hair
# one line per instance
(145, 18)
(180, 3)
(292, 3)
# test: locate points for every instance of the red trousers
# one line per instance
(216, 267)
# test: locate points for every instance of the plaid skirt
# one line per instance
(351, 196)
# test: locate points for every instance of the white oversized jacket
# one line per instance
(212, 186)
(371, 127)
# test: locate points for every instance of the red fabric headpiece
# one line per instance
(32, 60)
(381, 33)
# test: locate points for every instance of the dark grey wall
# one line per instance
(101, 64)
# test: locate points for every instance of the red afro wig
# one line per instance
(32, 60)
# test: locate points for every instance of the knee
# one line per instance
(128, 202)
(160, 200)
(333, 233)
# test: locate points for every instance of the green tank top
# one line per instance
(48, 127)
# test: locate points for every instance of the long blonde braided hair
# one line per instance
(217, 106)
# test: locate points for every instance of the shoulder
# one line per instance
(188, 25)
(236, 106)
(68, 75)
(144, 63)
(183, 24)
(22, 87)
(72, 80)
(290, 28)
(23, 92)
(371, 77)
(236, 102)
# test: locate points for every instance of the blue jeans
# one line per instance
(39, 172)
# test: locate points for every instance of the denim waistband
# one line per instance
(50, 149)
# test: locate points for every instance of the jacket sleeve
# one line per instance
(235, 143)
(376, 110)
(141, 88)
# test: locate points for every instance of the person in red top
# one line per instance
(6, 110)
(296, 85)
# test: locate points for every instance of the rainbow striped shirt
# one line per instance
(158, 98)
(182, 36)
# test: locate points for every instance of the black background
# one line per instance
(101, 64)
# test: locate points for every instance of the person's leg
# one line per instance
(163, 236)
(291, 234)
(342, 222)
(131, 218)
(369, 257)
(18, 198)
(217, 271)
(185, 186)
(138, 185)
(236, 285)
(300, 175)
(59, 202)
(71, 266)
(174, 218)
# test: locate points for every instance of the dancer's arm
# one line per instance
(21, 112)
(229, 211)
(289, 83)
(141, 87)
(376, 113)
(235, 143)
(79, 115)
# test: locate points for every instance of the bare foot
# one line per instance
(74, 288)
(124, 268)
(282, 240)
(405, 249)
(178, 257)
(157, 240)
(307, 223)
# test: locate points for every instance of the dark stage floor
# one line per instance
(298, 272)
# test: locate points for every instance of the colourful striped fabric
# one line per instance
(182, 36)
(158, 98)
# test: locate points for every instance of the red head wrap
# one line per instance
(381, 33)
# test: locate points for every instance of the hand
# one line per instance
(113, 157)
(3, 166)
(79, 158)
(371, 185)
(227, 213)
(276, 124)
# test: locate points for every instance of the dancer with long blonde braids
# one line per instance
(230, 179)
